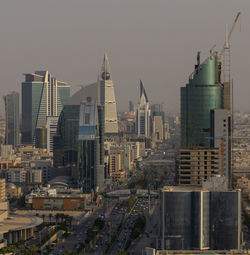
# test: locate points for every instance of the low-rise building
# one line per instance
(15, 227)
(56, 197)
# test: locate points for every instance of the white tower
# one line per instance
(108, 99)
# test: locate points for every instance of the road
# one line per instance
(148, 238)
(79, 231)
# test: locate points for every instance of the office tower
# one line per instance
(66, 140)
(158, 128)
(11, 102)
(157, 108)
(205, 113)
(198, 164)
(131, 106)
(42, 96)
(51, 131)
(108, 99)
(202, 94)
(90, 163)
(143, 114)
(158, 120)
(199, 219)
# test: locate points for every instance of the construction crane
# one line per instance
(226, 44)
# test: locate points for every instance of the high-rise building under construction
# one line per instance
(205, 121)
(203, 93)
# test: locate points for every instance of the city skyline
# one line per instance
(142, 152)
(154, 44)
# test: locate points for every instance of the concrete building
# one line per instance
(45, 166)
(198, 164)
(58, 203)
(199, 219)
(42, 96)
(143, 114)
(51, 131)
(17, 175)
(115, 162)
(158, 128)
(57, 196)
(152, 251)
(34, 176)
(220, 138)
(131, 106)
(14, 227)
(6, 151)
(2, 189)
(12, 124)
(107, 97)
(13, 191)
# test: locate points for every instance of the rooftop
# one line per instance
(18, 222)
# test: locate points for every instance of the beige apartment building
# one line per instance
(2, 189)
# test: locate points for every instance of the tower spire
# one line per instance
(142, 91)
(106, 75)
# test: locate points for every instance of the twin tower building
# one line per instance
(73, 127)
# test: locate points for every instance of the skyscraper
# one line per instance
(108, 99)
(66, 139)
(51, 131)
(202, 94)
(143, 114)
(11, 102)
(42, 96)
(90, 157)
(205, 115)
(131, 106)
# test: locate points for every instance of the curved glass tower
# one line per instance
(202, 94)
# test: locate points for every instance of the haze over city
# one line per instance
(155, 41)
(125, 127)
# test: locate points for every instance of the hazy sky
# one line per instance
(152, 40)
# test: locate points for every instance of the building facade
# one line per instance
(2, 189)
(90, 147)
(202, 94)
(51, 132)
(108, 99)
(12, 125)
(42, 96)
(200, 219)
(65, 143)
(143, 114)
(198, 164)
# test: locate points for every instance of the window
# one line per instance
(86, 118)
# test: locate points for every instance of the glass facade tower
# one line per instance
(202, 94)
(42, 96)
(11, 102)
